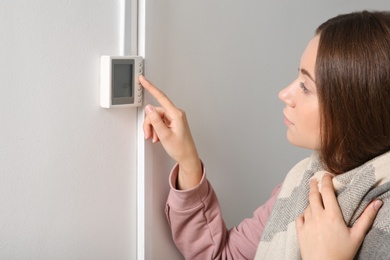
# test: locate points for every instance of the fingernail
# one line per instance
(378, 204)
(148, 109)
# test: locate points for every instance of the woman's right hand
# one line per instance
(169, 125)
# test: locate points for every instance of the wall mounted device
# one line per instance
(119, 84)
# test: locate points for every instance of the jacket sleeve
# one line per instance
(199, 230)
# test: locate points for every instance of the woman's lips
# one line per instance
(286, 121)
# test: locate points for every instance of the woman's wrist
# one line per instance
(190, 174)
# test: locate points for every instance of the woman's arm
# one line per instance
(199, 231)
(193, 209)
(169, 125)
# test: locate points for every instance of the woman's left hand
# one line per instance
(322, 232)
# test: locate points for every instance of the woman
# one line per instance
(339, 107)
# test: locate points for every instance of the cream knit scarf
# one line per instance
(354, 190)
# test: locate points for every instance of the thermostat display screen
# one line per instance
(123, 78)
(119, 81)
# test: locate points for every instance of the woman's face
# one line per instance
(301, 114)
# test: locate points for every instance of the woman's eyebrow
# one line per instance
(305, 72)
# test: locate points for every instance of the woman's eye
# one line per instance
(303, 87)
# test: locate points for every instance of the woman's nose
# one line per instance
(287, 96)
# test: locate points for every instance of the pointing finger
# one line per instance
(157, 94)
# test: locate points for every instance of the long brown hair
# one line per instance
(353, 83)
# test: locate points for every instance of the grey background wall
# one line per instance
(67, 166)
(224, 63)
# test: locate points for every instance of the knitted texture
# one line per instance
(355, 189)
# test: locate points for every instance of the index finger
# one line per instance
(157, 94)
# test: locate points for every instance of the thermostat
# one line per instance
(119, 84)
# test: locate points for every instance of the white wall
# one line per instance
(67, 166)
(224, 62)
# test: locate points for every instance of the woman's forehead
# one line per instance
(308, 59)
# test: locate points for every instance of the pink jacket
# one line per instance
(198, 228)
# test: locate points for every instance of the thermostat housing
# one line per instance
(119, 84)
